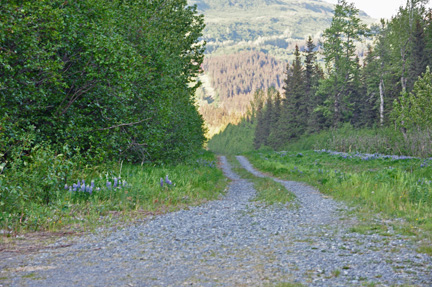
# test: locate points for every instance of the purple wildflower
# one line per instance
(161, 182)
(89, 189)
(108, 185)
(115, 182)
(66, 187)
(167, 181)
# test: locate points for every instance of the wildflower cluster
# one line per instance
(365, 156)
(168, 182)
(424, 181)
(426, 162)
(81, 186)
(296, 170)
(206, 163)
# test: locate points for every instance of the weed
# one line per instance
(73, 196)
(268, 190)
(336, 273)
(393, 186)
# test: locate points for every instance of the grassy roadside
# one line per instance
(119, 193)
(393, 187)
(268, 190)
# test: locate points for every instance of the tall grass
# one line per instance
(393, 186)
(368, 140)
(53, 192)
(235, 139)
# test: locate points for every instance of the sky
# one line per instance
(378, 8)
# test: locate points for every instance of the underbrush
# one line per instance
(367, 140)
(234, 139)
(394, 186)
(44, 191)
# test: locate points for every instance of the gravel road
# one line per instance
(231, 242)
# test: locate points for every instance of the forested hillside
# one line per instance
(391, 87)
(234, 79)
(233, 25)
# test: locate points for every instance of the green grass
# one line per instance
(267, 189)
(194, 182)
(391, 188)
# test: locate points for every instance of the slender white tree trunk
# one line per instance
(381, 90)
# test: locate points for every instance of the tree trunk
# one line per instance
(381, 89)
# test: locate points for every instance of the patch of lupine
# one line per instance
(426, 163)
(368, 156)
(296, 170)
(206, 163)
(167, 182)
(424, 181)
(81, 186)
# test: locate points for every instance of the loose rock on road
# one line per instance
(231, 242)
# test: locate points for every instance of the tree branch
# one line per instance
(122, 125)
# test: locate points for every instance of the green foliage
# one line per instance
(235, 139)
(367, 140)
(293, 117)
(110, 78)
(339, 52)
(414, 109)
(267, 190)
(35, 198)
(394, 186)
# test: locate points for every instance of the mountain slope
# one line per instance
(260, 23)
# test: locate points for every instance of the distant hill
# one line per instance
(268, 25)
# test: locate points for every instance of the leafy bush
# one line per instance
(113, 79)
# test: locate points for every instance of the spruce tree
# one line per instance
(312, 75)
(259, 137)
(275, 115)
(293, 119)
(267, 119)
(418, 56)
(339, 52)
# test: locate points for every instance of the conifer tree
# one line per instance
(267, 119)
(418, 56)
(293, 117)
(339, 53)
(371, 79)
(259, 137)
(312, 75)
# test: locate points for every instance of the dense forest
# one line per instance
(110, 79)
(390, 87)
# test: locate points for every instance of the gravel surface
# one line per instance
(231, 242)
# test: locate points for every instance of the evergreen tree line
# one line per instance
(390, 85)
(110, 79)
